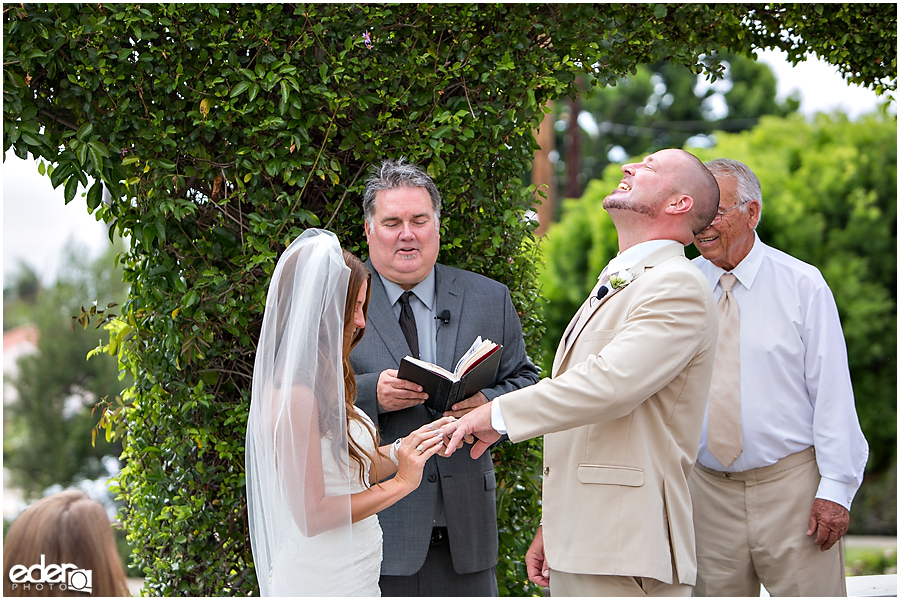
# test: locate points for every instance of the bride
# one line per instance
(312, 458)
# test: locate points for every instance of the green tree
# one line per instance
(662, 106)
(222, 131)
(830, 199)
(19, 295)
(48, 429)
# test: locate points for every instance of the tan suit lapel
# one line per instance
(578, 323)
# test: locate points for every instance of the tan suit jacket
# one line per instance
(621, 418)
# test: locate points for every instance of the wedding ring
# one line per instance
(420, 449)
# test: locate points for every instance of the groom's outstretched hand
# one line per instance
(477, 423)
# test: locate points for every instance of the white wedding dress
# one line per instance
(299, 475)
(319, 577)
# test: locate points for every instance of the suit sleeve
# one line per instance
(658, 338)
(516, 370)
(366, 385)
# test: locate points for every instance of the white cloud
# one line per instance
(820, 85)
(37, 222)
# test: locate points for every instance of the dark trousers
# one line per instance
(437, 577)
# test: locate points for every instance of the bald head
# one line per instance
(669, 195)
(696, 181)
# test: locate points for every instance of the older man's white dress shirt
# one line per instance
(795, 381)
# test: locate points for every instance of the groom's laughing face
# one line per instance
(403, 236)
(644, 185)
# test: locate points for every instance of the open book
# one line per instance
(474, 371)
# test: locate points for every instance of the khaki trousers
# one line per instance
(579, 584)
(751, 528)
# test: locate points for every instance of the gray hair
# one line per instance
(748, 186)
(394, 174)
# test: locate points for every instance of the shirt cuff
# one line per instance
(497, 421)
(836, 491)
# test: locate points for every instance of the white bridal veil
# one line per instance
(297, 462)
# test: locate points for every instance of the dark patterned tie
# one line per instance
(408, 324)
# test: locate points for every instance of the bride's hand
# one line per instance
(417, 448)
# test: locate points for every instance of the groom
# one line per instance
(622, 413)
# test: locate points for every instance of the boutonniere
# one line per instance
(621, 279)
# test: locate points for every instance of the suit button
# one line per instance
(432, 478)
(546, 471)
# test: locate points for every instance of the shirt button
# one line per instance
(432, 478)
(546, 471)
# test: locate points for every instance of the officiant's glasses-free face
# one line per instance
(403, 237)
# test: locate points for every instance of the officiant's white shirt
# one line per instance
(422, 305)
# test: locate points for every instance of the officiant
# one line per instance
(441, 540)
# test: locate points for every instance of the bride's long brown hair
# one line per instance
(359, 274)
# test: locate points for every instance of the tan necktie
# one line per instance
(724, 433)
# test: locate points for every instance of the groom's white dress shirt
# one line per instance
(795, 382)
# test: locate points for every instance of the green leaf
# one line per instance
(190, 298)
(81, 153)
(96, 158)
(99, 148)
(29, 139)
(94, 196)
(15, 78)
(59, 174)
(71, 188)
(84, 131)
(660, 11)
(239, 88)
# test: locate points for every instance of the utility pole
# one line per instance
(542, 172)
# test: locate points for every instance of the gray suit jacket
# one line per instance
(478, 306)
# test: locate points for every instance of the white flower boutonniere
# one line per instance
(621, 279)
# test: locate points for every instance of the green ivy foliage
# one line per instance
(829, 199)
(221, 131)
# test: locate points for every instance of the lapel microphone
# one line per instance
(444, 317)
(600, 294)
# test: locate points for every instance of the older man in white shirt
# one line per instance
(782, 453)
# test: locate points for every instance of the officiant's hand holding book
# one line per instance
(475, 371)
